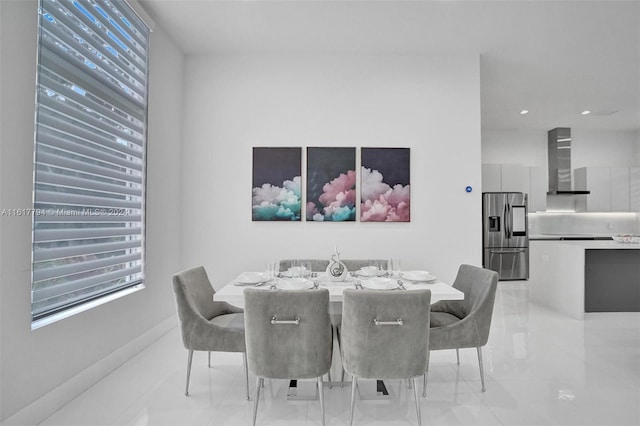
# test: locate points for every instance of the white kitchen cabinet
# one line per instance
(517, 178)
(504, 178)
(538, 187)
(598, 181)
(634, 189)
(491, 178)
(612, 189)
(620, 189)
(512, 178)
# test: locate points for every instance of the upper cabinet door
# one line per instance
(598, 181)
(634, 189)
(538, 187)
(512, 178)
(491, 178)
(620, 189)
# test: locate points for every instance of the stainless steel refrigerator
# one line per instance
(505, 238)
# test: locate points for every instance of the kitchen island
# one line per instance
(574, 277)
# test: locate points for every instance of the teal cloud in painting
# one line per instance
(271, 202)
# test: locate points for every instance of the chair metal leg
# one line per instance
(458, 355)
(424, 385)
(409, 384)
(321, 396)
(259, 382)
(209, 359)
(481, 368)
(340, 350)
(354, 383)
(246, 373)
(329, 376)
(415, 395)
(189, 359)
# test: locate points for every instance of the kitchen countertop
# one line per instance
(596, 244)
(556, 237)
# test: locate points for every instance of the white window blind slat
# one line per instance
(95, 36)
(50, 134)
(86, 167)
(51, 235)
(89, 168)
(61, 180)
(73, 287)
(66, 199)
(45, 216)
(99, 84)
(65, 110)
(80, 267)
(81, 97)
(41, 254)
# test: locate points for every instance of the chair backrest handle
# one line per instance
(276, 321)
(398, 322)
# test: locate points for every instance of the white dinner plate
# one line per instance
(367, 272)
(418, 276)
(378, 283)
(251, 278)
(294, 284)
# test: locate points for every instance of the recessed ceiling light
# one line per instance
(585, 112)
(524, 111)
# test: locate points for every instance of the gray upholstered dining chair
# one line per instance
(315, 265)
(465, 323)
(320, 265)
(288, 335)
(385, 336)
(206, 325)
(355, 264)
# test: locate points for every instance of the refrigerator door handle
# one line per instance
(508, 251)
(505, 221)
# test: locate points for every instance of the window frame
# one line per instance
(125, 157)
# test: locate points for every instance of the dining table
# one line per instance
(233, 293)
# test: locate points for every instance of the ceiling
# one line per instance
(553, 58)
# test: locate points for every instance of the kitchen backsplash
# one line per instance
(584, 223)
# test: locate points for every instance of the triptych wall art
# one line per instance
(331, 184)
(276, 184)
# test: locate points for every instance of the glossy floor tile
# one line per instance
(541, 369)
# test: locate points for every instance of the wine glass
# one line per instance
(395, 266)
(269, 271)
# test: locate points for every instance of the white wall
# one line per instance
(596, 148)
(604, 148)
(524, 146)
(234, 102)
(71, 354)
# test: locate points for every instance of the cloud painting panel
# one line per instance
(385, 190)
(331, 184)
(276, 184)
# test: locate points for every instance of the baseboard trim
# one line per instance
(52, 401)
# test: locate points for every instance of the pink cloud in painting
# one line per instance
(338, 199)
(380, 202)
(340, 189)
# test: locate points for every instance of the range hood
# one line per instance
(559, 140)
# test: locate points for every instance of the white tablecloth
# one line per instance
(234, 294)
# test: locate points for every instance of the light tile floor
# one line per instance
(541, 369)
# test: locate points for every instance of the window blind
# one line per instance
(89, 170)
